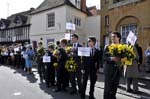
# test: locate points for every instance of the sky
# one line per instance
(9, 7)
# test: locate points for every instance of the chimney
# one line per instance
(83, 5)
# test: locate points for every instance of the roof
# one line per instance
(50, 4)
(25, 17)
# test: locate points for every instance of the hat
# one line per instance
(50, 43)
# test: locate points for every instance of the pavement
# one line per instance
(17, 84)
(143, 75)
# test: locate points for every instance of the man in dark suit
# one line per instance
(62, 73)
(50, 70)
(77, 74)
(112, 70)
(91, 66)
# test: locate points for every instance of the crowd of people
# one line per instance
(66, 69)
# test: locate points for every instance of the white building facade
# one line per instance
(49, 20)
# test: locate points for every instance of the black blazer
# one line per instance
(75, 53)
(107, 57)
(92, 62)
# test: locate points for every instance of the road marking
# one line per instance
(17, 93)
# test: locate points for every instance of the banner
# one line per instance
(46, 59)
(83, 51)
(70, 26)
(131, 38)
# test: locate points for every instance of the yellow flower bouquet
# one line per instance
(56, 53)
(124, 51)
(129, 55)
(68, 49)
(116, 50)
(71, 65)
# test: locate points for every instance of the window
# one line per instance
(18, 21)
(107, 20)
(77, 21)
(51, 20)
(3, 26)
(125, 29)
(2, 34)
(18, 31)
(76, 1)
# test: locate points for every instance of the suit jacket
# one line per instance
(107, 56)
(92, 62)
(140, 53)
(75, 52)
(109, 66)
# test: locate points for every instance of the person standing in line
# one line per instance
(91, 67)
(62, 74)
(77, 74)
(40, 67)
(29, 59)
(50, 70)
(112, 70)
(147, 54)
(132, 74)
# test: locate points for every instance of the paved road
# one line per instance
(17, 84)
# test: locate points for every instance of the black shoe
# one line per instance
(73, 92)
(92, 97)
(136, 92)
(129, 90)
(65, 90)
(57, 90)
(82, 96)
(47, 85)
(147, 71)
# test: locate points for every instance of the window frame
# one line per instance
(107, 20)
(78, 21)
(128, 28)
(52, 24)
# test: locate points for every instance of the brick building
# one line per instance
(125, 16)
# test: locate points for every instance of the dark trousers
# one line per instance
(41, 70)
(50, 74)
(18, 61)
(62, 79)
(73, 76)
(22, 63)
(93, 78)
(134, 81)
(112, 76)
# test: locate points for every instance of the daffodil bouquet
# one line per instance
(129, 54)
(56, 53)
(71, 65)
(123, 51)
(116, 50)
(68, 49)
